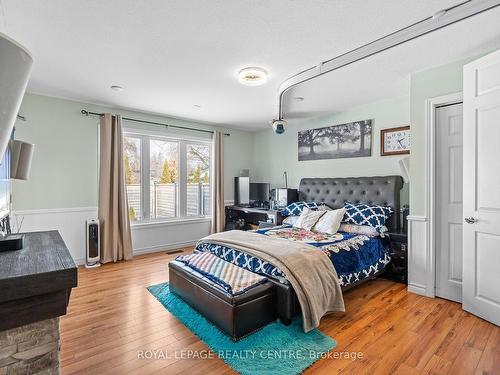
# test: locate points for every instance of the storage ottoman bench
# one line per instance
(237, 316)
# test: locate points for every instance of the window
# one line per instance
(198, 179)
(163, 179)
(132, 156)
(166, 178)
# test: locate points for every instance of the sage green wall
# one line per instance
(277, 153)
(442, 80)
(64, 169)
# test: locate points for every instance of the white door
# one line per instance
(449, 215)
(481, 271)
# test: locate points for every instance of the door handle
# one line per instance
(470, 220)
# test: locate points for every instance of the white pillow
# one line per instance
(359, 229)
(291, 220)
(330, 221)
(324, 207)
(308, 218)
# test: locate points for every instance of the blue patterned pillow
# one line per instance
(363, 214)
(295, 209)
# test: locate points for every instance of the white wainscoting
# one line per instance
(150, 238)
(419, 262)
(70, 222)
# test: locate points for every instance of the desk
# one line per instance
(252, 215)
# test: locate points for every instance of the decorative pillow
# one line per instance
(324, 207)
(308, 218)
(359, 229)
(330, 221)
(363, 214)
(295, 209)
(291, 220)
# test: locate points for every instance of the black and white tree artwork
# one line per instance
(349, 140)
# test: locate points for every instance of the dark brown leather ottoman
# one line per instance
(237, 316)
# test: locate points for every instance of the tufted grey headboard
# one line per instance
(334, 192)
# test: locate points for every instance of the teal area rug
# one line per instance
(276, 349)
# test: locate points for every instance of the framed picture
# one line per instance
(350, 140)
(395, 141)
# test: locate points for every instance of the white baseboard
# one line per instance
(417, 289)
(70, 222)
(165, 248)
(152, 249)
(80, 261)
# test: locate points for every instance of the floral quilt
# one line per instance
(355, 257)
(324, 241)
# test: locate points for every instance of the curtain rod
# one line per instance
(87, 113)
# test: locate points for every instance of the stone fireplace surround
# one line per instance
(35, 288)
(30, 349)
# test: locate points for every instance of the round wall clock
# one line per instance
(395, 141)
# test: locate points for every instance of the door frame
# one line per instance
(430, 186)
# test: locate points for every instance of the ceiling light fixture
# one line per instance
(299, 99)
(117, 88)
(279, 126)
(252, 76)
(196, 105)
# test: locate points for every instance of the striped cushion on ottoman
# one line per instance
(235, 280)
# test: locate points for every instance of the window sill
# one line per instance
(169, 222)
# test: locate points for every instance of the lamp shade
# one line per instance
(20, 165)
(15, 68)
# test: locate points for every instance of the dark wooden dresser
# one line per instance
(35, 282)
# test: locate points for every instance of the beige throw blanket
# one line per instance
(308, 269)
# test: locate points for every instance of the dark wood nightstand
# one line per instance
(397, 269)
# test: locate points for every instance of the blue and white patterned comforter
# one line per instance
(355, 257)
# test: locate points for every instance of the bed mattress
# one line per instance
(354, 257)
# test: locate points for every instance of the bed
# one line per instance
(377, 190)
(356, 257)
(365, 258)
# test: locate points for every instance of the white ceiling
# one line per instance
(387, 75)
(171, 55)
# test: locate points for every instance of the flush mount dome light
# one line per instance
(252, 76)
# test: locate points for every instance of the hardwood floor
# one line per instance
(112, 318)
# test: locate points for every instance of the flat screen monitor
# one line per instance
(259, 192)
(241, 191)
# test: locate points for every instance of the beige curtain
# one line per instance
(116, 242)
(218, 220)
